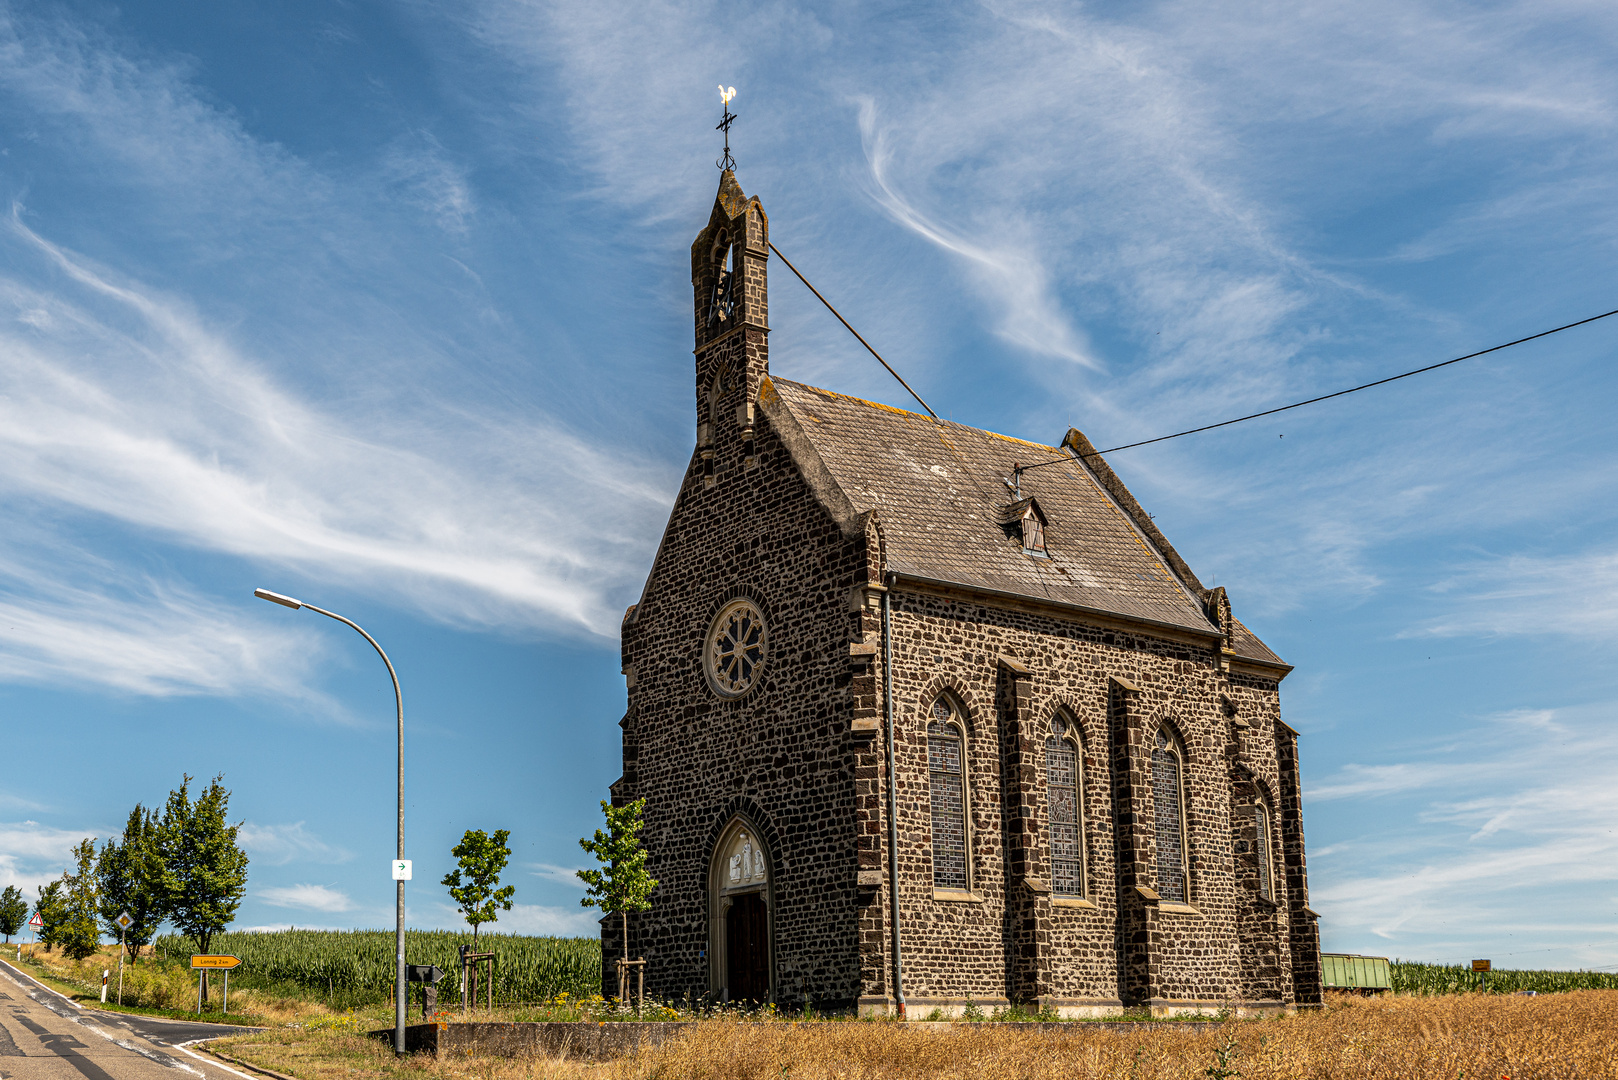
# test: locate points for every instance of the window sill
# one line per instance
(1073, 902)
(1168, 908)
(957, 896)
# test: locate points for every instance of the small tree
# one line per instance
(80, 933)
(52, 911)
(13, 911)
(482, 857)
(204, 872)
(130, 875)
(622, 884)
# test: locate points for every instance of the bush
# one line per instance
(160, 987)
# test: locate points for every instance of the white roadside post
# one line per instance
(104, 974)
(398, 855)
(123, 922)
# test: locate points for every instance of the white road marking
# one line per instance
(186, 1046)
(161, 1059)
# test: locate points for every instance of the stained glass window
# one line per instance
(947, 777)
(737, 647)
(1261, 848)
(1170, 814)
(1063, 785)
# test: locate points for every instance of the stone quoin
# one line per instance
(1097, 802)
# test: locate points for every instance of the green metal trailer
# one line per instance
(1355, 973)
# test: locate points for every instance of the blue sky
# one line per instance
(386, 306)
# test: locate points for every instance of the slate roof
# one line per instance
(939, 491)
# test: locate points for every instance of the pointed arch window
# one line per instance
(946, 777)
(1261, 848)
(1168, 805)
(1064, 784)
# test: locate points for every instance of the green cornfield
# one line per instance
(349, 966)
(1413, 978)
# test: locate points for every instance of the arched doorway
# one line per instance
(741, 904)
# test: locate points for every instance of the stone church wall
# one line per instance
(955, 949)
(783, 753)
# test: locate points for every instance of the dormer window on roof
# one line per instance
(1024, 518)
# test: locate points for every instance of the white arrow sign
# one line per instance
(401, 869)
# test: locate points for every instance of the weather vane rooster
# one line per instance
(726, 93)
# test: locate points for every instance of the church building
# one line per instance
(920, 727)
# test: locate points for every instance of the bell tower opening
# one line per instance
(731, 324)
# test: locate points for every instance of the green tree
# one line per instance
(80, 933)
(130, 875)
(204, 872)
(622, 884)
(52, 911)
(482, 857)
(13, 911)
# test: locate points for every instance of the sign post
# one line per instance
(204, 963)
(123, 920)
(36, 924)
(1482, 969)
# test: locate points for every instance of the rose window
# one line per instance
(737, 646)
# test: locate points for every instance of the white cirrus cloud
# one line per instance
(309, 897)
(131, 409)
(1572, 594)
(1466, 834)
(278, 845)
(32, 854)
(535, 919)
(562, 875)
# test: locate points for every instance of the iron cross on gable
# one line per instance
(725, 96)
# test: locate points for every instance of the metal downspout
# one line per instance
(893, 805)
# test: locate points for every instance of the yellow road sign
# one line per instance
(215, 962)
(1480, 965)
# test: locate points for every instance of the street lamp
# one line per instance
(398, 700)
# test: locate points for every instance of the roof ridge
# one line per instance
(917, 415)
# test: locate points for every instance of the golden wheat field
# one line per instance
(1461, 1037)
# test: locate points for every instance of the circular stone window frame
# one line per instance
(710, 643)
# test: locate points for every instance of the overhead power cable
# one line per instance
(1326, 397)
(855, 332)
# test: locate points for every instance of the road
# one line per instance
(43, 1036)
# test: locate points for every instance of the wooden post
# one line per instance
(640, 987)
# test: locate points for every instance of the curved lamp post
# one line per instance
(399, 898)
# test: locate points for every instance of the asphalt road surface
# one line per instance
(43, 1036)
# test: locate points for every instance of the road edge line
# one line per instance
(19, 972)
(89, 1010)
(186, 1046)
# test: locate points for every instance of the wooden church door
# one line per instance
(747, 948)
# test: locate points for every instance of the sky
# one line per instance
(385, 306)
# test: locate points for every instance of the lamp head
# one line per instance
(277, 598)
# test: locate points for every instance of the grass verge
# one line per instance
(80, 981)
(1573, 1035)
